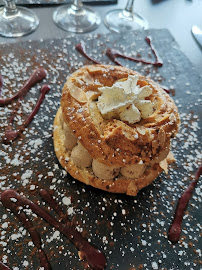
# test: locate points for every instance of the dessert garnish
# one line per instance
(11, 134)
(113, 54)
(4, 267)
(159, 61)
(14, 201)
(125, 100)
(37, 76)
(113, 128)
(176, 226)
(81, 48)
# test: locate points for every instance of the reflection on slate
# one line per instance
(52, 2)
(131, 231)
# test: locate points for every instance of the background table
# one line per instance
(177, 16)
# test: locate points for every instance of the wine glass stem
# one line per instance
(129, 6)
(10, 7)
(77, 4)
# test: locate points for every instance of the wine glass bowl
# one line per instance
(16, 21)
(124, 20)
(75, 18)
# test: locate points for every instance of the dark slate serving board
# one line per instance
(131, 231)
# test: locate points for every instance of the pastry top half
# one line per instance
(112, 141)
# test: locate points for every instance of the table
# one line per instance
(177, 16)
(132, 232)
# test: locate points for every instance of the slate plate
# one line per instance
(131, 231)
(53, 2)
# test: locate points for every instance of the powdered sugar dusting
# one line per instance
(132, 232)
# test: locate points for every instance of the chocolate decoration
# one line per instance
(4, 267)
(13, 200)
(175, 229)
(81, 48)
(113, 54)
(10, 134)
(38, 75)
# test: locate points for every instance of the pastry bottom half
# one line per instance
(119, 184)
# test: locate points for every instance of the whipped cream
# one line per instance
(125, 100)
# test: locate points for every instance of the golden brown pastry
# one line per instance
(114, 127)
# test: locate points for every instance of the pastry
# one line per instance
(114, 127)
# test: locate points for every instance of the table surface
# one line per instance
(132, 232)
(177, 16)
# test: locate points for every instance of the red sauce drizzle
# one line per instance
(1, 84)
(4, 267)
(38, 75)
(12, 200)
(113, 54)
(176, 226)
(159, 61)
(10, 134)
(81, 48)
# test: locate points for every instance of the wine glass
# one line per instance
(76, 18)
(124, 20)
(16, 21)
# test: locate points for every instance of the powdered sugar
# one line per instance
(131, 231)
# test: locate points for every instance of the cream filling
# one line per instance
(81, 158)
(125, 100)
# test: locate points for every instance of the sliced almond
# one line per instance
(172, 117)
(161, 137)
(154, 146)
(164, 165)
(170, 157)
(141, 130)
(87, 78)
(92, 95)
(161, 118)
(132, 189)
(77, 93)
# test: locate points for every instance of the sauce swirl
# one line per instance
(38, 75)
(10, 134)
(175, 229)
(4, 267)
(81, 48)
(114, 54)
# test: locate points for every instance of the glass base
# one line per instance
(122, 21)
(77, 21)
(19, 23)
